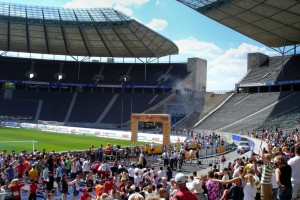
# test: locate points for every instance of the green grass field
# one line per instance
(49, 141)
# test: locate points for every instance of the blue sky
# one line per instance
(195, 35)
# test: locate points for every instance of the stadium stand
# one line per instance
(108, 73)
(285, 106)
(88, 106)
(54, 104)
(275, 69)
(239, 106)
(22, 108)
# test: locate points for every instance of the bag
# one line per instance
(236, 193)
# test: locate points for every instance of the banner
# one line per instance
(125, 135)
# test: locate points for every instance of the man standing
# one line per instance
(33, 187)
(266, 178)
(49, 184)
(191, 155)
(76, 187)
(182, 191)
(182, 152)
(165, 157)
(100, 153)
(295, 164)
(109, 185)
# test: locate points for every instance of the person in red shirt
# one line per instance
(33, 187)
(182, 191)
(85, 195)
(21, 168)
(223, 159)
(109, 185)
(95, 167)
(15, 187)
(122, 184)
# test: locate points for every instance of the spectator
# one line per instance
(283, 178)
(49, 184)
(295, 165)
(223, 159)
(15, 187)
(76, 187)
(86, 195)
(64, 185)
(250, 189)
(213, 188)
(191, 155)
(196, 186)
(109, 185)
(33, 187)
(236, 191)
(267, 170)
(182, 191)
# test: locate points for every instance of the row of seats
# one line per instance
(83, 107)
(276, 69)
(89, 72)
(240, 106)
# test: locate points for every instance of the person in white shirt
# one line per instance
(249, 189)
(165, 157)
(191, 155)
(86, 167)
(175, 155)
(104, 170)
(131, 173)
(225, 176)
(76, 187)
(152, 147)
(182, 152)
(137, 178)
(161, 173)
(295, 165)
(73, 169)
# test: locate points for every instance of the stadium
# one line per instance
(144, 100)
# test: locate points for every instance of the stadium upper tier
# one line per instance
(275, 69)
(274, 23)
(91, 72)
(78, 32)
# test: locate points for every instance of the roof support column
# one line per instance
(27, 32)
(8, 29)
(110, 53)
(80, 31)
(45, 33)
(63, 34)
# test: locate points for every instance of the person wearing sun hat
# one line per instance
(182, 191)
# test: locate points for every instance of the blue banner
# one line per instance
(269, 83)
(37, 83)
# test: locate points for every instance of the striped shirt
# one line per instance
(267, 171)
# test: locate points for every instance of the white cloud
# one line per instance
(157, 24)
(196, 48)
(225, 67)
(123, 6)
(123, 9)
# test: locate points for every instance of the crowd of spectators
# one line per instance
(274, 173)
(88, 176)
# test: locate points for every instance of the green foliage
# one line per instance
(56, 141)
